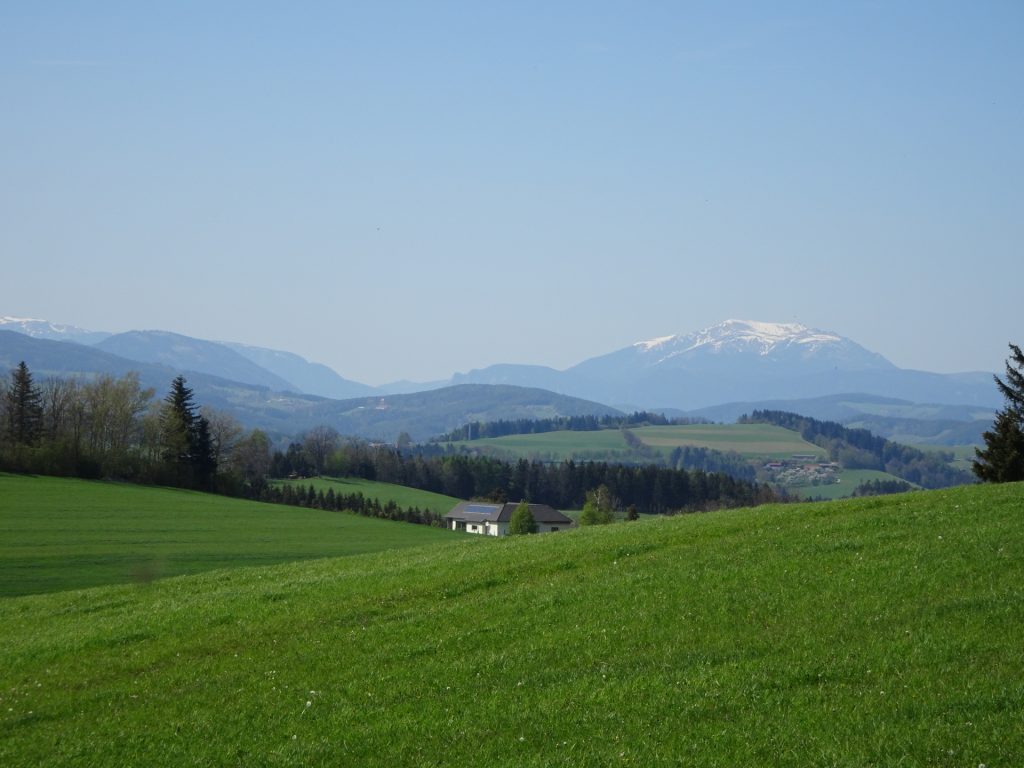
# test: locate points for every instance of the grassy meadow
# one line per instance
(762, 441)
(402, 495)
(58, 534)
(749, 440)
(884, 631)
(849, 479)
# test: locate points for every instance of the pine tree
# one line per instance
(23, 407)
(177, 421)
(202, 454)
(185, 437)
(1002, 459)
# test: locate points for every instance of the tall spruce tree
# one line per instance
(185, 437)
(23, 407)
(1002, 459)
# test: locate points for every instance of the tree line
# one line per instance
(860, 449)
(112, 427)
(478, 430)
(312, 498)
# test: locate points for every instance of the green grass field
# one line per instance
(849, 479)
(750, 440)
(552, 446)
(884, 631)
(58, 534)
(383, 492)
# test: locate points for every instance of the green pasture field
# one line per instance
(849, 479)
(883, 631)
(750, 440)
(553, 446)
(383, 492)
(58, 534)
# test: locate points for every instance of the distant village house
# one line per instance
(493, 519)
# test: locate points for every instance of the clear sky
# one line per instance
(409, 189)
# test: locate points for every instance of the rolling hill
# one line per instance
(68, 534)
(874, 632)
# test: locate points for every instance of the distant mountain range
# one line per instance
(741, 360)
(286, 414)
(734, 362)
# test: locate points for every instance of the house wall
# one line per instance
(545, 528)
(501, 529)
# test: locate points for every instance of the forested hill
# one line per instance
(860, 449)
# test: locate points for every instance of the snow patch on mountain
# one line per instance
(757, 338)
(44, 329)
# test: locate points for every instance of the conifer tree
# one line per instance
(1002, 459)
(185, 437)
(23, 407)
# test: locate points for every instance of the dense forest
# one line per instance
(860, 449)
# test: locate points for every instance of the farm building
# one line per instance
(492, 519)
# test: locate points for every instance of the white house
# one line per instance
(492, 519)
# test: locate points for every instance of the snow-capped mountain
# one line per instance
(742, 360)
(44, 329)
(750, 342)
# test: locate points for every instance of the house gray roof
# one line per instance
(482, 511)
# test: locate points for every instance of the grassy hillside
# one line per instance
(58, 534)
(872, 632)
(383, 492)
(750, 440)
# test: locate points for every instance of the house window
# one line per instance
(554, 528)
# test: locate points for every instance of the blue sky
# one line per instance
(403, 190)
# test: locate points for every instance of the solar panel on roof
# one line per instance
(483, 509)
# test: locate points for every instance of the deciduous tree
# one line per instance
(522, 520)
(599, 508)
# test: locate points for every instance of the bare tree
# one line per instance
(224, 433)
(319, 443)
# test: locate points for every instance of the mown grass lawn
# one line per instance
(885, 631)
(58, 534)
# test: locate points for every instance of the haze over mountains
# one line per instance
(736, 361)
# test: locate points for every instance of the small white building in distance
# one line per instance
(492, 519)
